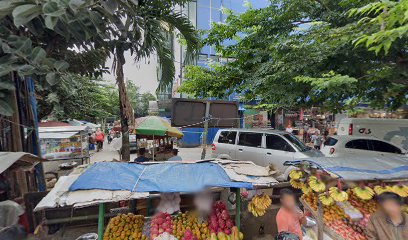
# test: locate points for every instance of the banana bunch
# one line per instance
(325, 199)
(338, 195)
(316, 184)
(401, 190)
(296, 184)
(306, 189)
(295, 174)
(381, 189)
(364, 193)
(258, 205)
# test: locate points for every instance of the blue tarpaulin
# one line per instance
(163, 177)
(361, 168)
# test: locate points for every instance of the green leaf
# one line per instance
(38, 55)
(6, 85)
(61, 65)
(6, 48)
(25, 70)
(52, 9)
(75, 4)
(25, 13)
(5, 108)
(4, 70)
(51, 78)
(50, 21)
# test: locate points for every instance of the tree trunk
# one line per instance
(125, 108)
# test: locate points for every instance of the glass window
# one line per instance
(381, 146)
(330, 141)
(227, 137)
(250, 139)
(295, 141)
(276, 142)
(361, 144)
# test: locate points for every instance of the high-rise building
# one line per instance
(202, 14)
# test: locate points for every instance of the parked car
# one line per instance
(343, 145)
(391, 130)
(261, 146)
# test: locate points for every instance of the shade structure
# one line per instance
(156, 126)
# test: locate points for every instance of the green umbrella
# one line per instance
(156, 126)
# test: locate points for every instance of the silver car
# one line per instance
(263, 147)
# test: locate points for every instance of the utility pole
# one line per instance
(205, 132)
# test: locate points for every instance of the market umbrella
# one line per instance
(156, 126)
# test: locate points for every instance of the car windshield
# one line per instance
(302, 147)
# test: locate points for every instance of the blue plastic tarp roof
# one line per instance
(163, 177)
(362, 168)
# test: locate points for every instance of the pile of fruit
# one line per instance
(160, 223)
(125, 226)
(349, 232)
(220, 220)
(365, 206)
(258, 205)
(187, 224)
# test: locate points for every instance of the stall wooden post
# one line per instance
(238, 208)
(101, 220)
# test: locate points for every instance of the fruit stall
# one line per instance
(105, 182)
(340, 192)
(160, 131)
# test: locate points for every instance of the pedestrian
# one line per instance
(317, 140)
(289, 129)
(141, 156)
(290, 218)
(99, 138)
(174, 155)
(305, 133)
(389, 222)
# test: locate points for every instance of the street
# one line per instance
(107, 154)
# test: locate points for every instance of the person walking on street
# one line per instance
(317, 140)
(305, 133)
(99, 138)
(389, 222)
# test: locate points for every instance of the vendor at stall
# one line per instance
(389, 222)
(141, 155)
(289, 217)
(174, 155)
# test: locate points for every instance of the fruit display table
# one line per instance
(342, 202)
(109, 182)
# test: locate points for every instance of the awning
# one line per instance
(17, 159)
(56, 135)
(361, 168)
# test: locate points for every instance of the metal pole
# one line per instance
(101, 221)
(238, 209)
(154, 146)
(205, 132)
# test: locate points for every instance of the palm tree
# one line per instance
(117, 26)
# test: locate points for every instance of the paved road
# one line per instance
(107, 154)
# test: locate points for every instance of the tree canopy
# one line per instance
(298, 53)
(89, 98)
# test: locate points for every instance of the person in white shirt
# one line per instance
(289, 129)
(175, 156)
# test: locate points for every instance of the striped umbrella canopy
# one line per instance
(157, 126)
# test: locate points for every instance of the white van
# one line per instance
(263, 147)
(392, 130)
